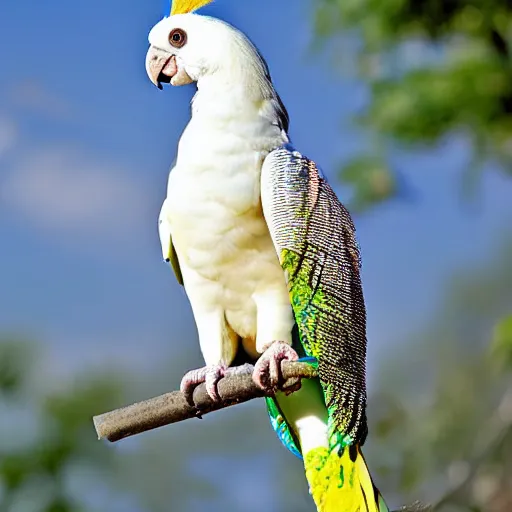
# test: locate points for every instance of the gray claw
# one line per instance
(210, 376)
(267, 371)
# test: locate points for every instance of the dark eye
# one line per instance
(178, 38)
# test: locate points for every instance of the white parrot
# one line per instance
(266, 253)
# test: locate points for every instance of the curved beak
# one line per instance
(161, 66)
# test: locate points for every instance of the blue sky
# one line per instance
(86, 142)
(85, 147)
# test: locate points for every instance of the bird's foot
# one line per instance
(268, 373)
(209, 375)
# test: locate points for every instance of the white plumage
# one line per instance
(213, 207)
(213, 211)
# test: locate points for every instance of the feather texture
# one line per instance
(186, 6)
(268, 253)
(315, 239)
(340, 481)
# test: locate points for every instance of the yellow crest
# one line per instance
(185, 6)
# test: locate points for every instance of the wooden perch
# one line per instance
(173, 407)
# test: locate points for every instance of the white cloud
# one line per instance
(62, 190)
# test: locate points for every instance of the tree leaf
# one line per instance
(502, 343)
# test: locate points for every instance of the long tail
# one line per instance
(339, 481)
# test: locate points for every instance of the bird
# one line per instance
(267, 254)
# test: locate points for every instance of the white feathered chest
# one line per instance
(214, 210)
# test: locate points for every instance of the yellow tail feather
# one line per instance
(340, 484)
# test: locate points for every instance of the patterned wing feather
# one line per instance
(315, 239)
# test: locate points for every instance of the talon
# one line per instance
(268, 374)
(209, 375)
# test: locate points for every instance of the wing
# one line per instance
(315, 240)
(168, 251)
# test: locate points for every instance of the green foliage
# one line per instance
(371, 180)
(502, 343)
(39, 465)
(433, 68)
(14, 357)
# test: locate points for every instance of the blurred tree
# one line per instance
(446, 437)
(52, 433)
(51, 461)
(433, 68)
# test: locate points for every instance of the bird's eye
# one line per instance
(178, 38)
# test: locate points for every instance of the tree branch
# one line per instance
(173, 407)
(415, 507)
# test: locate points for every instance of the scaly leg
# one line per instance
(217, 340)
(267, 371)
(210, 375)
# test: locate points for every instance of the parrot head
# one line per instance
(185, 48)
